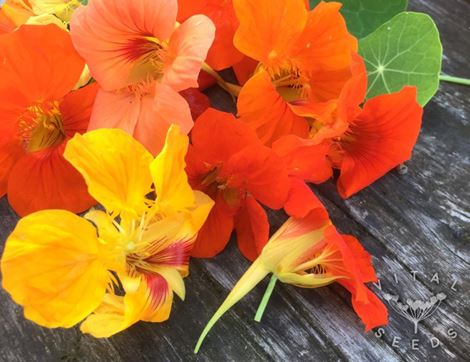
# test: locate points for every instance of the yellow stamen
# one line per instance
(41, 126)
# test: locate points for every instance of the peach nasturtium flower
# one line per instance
(141, 58)
(304, 57)
(310, 253)
(58, 265)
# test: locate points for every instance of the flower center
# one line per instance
(40, 127)
(290, 82)
(149, 55)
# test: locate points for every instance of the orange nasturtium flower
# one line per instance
(40, 113)
(363, 143)
(310, 253)
(58, 265)
(304, 57)
(141, 59)
(14, 13)
(222, 53)
(227, 161)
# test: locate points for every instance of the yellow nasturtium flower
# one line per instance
(112, 267)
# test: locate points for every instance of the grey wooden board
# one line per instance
(413, 222)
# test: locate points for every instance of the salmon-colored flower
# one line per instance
(304, 56)
(228, 162)
(141, 60)
(58, 265)
(223, 53)
(39, 115)
(310, 253)
(364, 143)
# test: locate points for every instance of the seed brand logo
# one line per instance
(416, 310)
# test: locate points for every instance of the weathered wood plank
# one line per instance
(418, 221)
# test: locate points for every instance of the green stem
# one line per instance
(457, 80)
(265, 300)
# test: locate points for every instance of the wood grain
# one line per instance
(417, 221)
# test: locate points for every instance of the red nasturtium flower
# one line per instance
(310, 253)
(141, 60)
(363, 143)
(39, 115)
(228, 162)
(222, 54)
(304, 56)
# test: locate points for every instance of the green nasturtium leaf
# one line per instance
(404, 51)
(364, 16)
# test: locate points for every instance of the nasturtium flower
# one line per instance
(14, 13)
(310, 253)
(117, 266)
(304, 57)
(222, 53)
(365, 142)
(227, 161)
(40, 113)
(141, 59)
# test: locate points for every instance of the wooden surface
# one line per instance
(418, 221)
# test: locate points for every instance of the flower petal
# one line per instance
(115, 167)
(304, 159)
(104, 110)
(215, 233)
(187, 51)
(259, 171)
(252, 226)
(198, 101)
(155, 118)
(362, 258)
(265, 111)
(52, 266)
(370, 309)
(76, 108)
(45, 180)
(382, 137)
(150, 301)
(222, 54)
(168, 173)
(10, 153)
(217, 135)
(301, 199)
(268, 28)
(324, 50)
(294, 238)
(29, 66)
(244, 69)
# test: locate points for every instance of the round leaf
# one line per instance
(404, 51)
